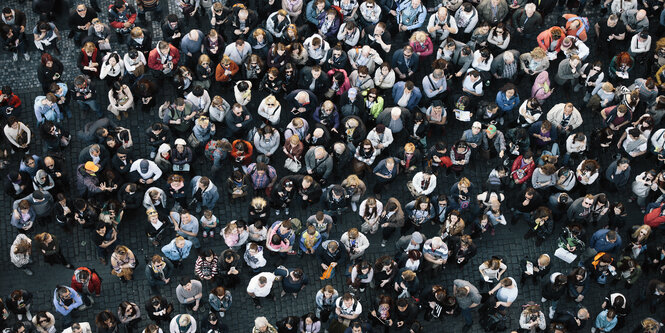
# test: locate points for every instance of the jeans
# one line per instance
(467, 315)
(92, 105)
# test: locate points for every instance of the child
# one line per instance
(309, 240)
(208, 223)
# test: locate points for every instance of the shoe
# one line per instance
(383, 243)
(258, 306)
(551, 315)
(282, 294)
(354, 206)
(153, 154)
(286, 211)
(26, 57)
(295, 295)
(69, 266)
(277, 212)
(212, 234)
(543, 300)
(28, 272)
(15, 57)
(205, 234)
(362, 290)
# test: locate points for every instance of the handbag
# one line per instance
(193, 141)
(292, 165)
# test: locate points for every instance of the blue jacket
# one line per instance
(416, 95)
(505, 104)
(602, 322)
(310, 12)
(209, 196)
(599, 242)
(317, 242)
(400, 62)
(417, 18)
(171, 251)
(60, 305)
(45, 112)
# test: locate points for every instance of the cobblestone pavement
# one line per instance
(79, 248)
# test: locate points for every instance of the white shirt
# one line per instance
(256, 289)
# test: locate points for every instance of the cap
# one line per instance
(91, 166)
(567, 42)
(491, 129)
(644, 34)
(163, 148)
(38, 195)
(477, 124)
(417, 237)
(180, 141)
(353, 92)
(145, 166)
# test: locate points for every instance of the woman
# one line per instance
(46, 36)
(113, 68)
(183, 80)
(49, 246)
(381, 314)
(498, 38)
(49, 71)
(261, 325)
(298, 54)
(491, 271)
(620, 67)
(121, 100)
(123, 263)
(309, 323)
(226, 70)
(355, 189)
(361, 276)
(463, 250)
(325, 302)
(642, 186)
(107, 322)
(159, 309)
(587, 173)
(218, 109)
(629, 271)
(453, 226)
(238, 185)
(273, 84)
(220, 301)
(639, 239)
(89, 61)
(266, 140)
(99, 34)
(20, 252)
(253, 68)
(364, 157)
(258, 210)
(18, 134)
(206, 265)
(270, 108)
(534, 62)
(204, 72)
(418, 212)
(407, 284)
(422, 44)
(44, 322)
(508, 100)
(213, 45)
(203, 131)
(129, 314)
(385, 272)
(578, 283)
(532, 320)
(294, 282)
(260, 42)
(277, 56)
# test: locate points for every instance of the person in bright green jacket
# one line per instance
(373, 102)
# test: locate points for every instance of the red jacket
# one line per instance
(12, 101)
(94, 286)
(247, 156)
(527, 170)
(545, 39)
(155, 60)
(654, 219)
(114, 17)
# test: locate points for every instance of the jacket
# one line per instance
(555, 116)
(323, 167)
(94, 284)
(320, 86)
(499, 142)
(621, 179)
(60, 305)
(155, 278)
(155, 61)
(544, 39)
(564, 72)
(86, 184)
(486, 12)
(171, 251)
(532, 23)
(361, 243)
(117, 20)
(542, 88)
(655, 217)
(498, 64)
(209, 195)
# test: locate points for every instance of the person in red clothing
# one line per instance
(576, 26)
(163, 60)
(656, 216)
(242, 152)
(522, 168)
(9, 102)
(86, 282)
(551, 39)
(90, 60)
(226, 69)
(121, 18)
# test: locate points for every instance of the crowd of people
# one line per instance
(361, 97)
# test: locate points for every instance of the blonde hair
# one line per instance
(608, 86)
(544, 259)
(258, 202)
(465, 182)
(89, 47)
(418, 36)
(294, 139)
(538, 53)
(408, 275)
(230, 227)
(642, 227)
(136, 32)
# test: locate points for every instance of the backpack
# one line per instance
(495, 322)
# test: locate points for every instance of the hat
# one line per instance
(491, 129)
(163, 148)
(180, 142)
(417, 237)
(353, 92)
(477, 124)
(91, 166)
(567, 43)
(145, 166)
(38, 195)
(380, 128)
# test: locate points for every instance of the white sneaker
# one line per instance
(383, 243)
(277, 212)
(15, 56)
(551, 312)
(26, 56)
(354, 207)
(543, 300)
(286, 211)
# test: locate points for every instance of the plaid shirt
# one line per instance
(261, 181)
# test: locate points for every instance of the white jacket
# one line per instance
(362, 243)
(373, 137)
(417, 184)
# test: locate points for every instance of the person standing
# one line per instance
(468, 298)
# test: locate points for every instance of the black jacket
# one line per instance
(322, 83)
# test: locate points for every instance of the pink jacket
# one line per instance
(425, 49)
(538, 88)
(346, 85)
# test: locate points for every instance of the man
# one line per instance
(263, 176)
(46, 108)
(42, 203)
(95, 153)
(633, 142)
(377, 38)
(163, 60)
(527, 21)
(506, 292)
(404, 63)
(441, 24)
(654, 293)
(611, 34)
(468, 298)
(238, 51)
(580, 210)
(260, 287)
(347, 309)
(88, 183)
(83, 327)
(411, 15)
(525, 202)
(301, 102)
(314, 80)
(145, 172)
(158, 134)
(240, 23)
(205, 193)
(65, 300)
(85, 95)
(189, 293)
(335, 201)
(319, 164)
(396, 119)
(380, 137)
(565, 117)
(406, 95)
(493, 11)
(172, 30)
(435, 252)
(122, 162)
(79, 23)
(504, 66)
(144, 6)
(87, 283)
(635, 20)
(122, 17)
(14, 18)
(493, 143)
(177, 250)
(238, 121)
(330, 254)
(317, 49)
(605, 240)
(186, 226)
(472, 86)
(522, 168)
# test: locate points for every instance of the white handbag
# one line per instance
(292, 165)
